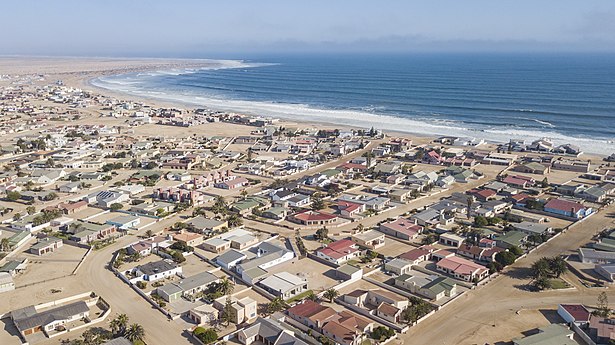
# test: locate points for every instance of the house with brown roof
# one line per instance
(343, 327)
(310, 217)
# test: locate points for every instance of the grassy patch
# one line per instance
(299, 296)
(557, 283)
(366, 342)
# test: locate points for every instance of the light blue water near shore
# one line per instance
(569, 98)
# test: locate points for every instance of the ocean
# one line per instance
(569, 98)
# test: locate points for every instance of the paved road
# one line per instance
(467, 320)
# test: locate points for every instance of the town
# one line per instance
(125, 222)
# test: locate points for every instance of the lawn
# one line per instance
(299, 296)
(558, 283)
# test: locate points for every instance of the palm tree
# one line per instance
(121, 322)
(276, 304)
(135, 332)
(558, 266)
(225, 286)
(5, 245)
(234, 220)
(244, 194)
(331, 294)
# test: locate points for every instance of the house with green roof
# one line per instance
(553, 334)
(247, 205)
(510, 239)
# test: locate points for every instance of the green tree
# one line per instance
(31, 210)
(234, 220)
(603, 309)
(225, 286)
(119, 324)
(516, 250)
(505, 258)
(382, 333)
(317, 202)
(227, 312)
(540, 268)
(135, 332)
(115, 206)
(331, 294)
(276, 304)
(542, 283)
(13, 196)
(207, 336)
(322, 234)
(5, 244)
(558, 266)
(480, 221)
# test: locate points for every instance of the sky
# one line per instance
(203, 28)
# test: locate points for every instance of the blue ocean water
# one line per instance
(569, 97)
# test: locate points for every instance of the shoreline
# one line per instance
(80, 74)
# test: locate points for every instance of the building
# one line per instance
(268, 331)
(310, 218)
(572, 165)
(339, 252)
(348, 272)
(229, 259)
(343, 327)
(201, 224)
(284, 285)
(186, 287)
(242, 309)
(6, 282)
(202, 314)
(29, 320)
(46, 245)
(402, 228)
(370, 239)
(607, 271)
(433, 287)
(567, 208)
(189, 238)
(124, 222)
(156, 270)
(533, 228)
(450, 239)
(551, 334)
(267, 255)
(398, 266)
(592, 256)
(462, 269)
(86, 232)
(601, 330)
(574, 313)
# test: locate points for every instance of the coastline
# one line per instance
(80, 72)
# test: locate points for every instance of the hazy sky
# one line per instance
(243, 27)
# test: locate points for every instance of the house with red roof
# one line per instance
(574, 313)
(432, 157)
(402, 228)
(462, 268)
(567, 208)
(350, 209)
(339, 252)
(416, 255)
(310, 217)
(515, 181)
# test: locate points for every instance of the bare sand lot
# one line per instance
(49, 267)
